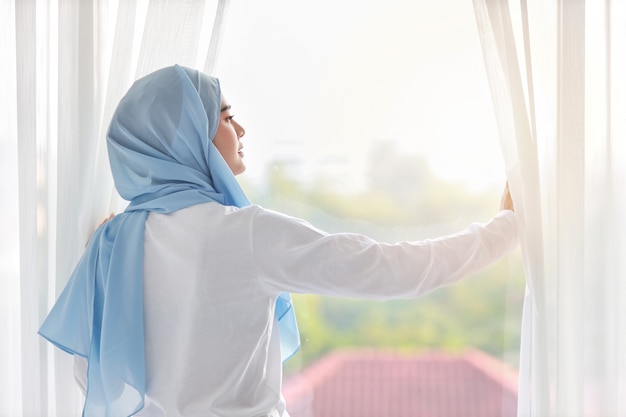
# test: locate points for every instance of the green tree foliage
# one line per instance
(403, 201)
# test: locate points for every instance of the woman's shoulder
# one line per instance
(214, 209)
(213, 215)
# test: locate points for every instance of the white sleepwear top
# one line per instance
(212, 275)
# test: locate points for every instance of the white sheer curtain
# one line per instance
(557, 71)
(66, 65)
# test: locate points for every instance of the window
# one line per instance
(376, 118)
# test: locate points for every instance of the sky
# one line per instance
(318, 83)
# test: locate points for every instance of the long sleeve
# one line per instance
(293, 256)
(211, 277)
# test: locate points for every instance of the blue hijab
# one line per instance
(162, 160)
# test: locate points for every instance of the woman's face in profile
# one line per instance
(227, 139)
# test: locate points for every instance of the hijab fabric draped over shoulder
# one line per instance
(163, 159)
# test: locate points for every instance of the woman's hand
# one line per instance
(103, 222)
(107, 219)
(506, 203)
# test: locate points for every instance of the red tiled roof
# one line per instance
(369, 383)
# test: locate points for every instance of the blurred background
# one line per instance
(375, 117)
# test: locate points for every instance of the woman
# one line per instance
(178, 306)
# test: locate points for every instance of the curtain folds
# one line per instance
(69, 63)
(558, 82)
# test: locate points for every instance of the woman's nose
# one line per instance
(240, 130)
